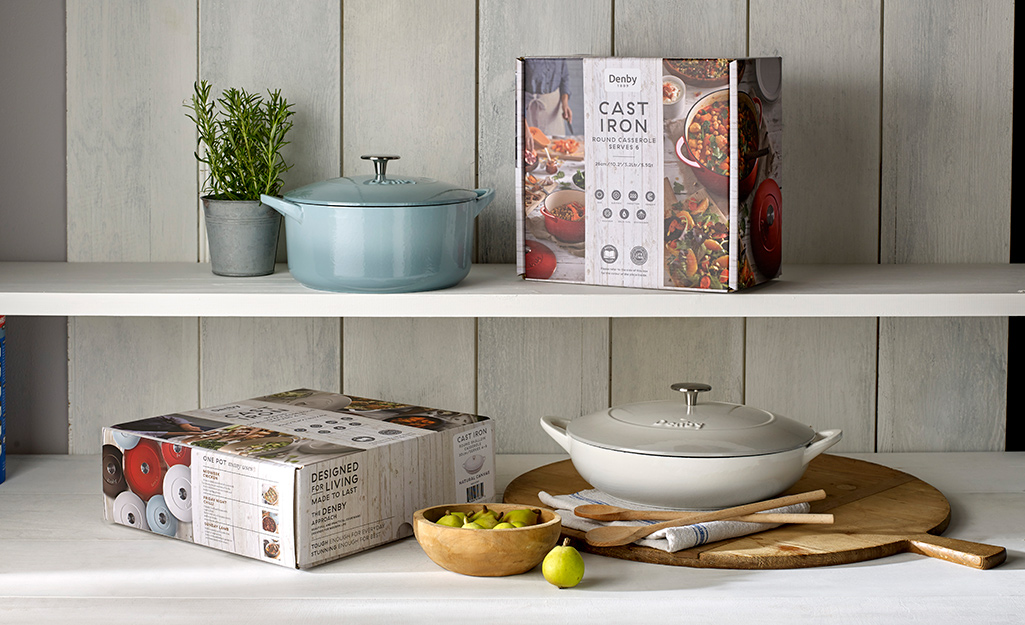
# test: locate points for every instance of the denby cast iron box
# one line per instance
(650, 172)
(296, 478)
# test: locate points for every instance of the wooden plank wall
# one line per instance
(896, 150)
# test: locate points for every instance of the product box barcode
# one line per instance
(475, 492)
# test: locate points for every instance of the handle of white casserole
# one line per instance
(823, 441)
(484, 197)
(556, 428)
(286, 208)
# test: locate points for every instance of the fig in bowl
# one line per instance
(564, 215)
(490, 547)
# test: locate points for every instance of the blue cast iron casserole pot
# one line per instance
(376, 234)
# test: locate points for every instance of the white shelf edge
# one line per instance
(190, 290)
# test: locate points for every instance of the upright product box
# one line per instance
(296, 478)
(657, 173)
(3, 402)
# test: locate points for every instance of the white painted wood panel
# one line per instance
(831, 113)
(257, 46)
(938, 394)
(423, 362)
(648, 355)
(125, 368)
(131, 174)
(823, 371)
(509, 30)
(409, 88)
(409, 84)
(300, 55)
(244, 358)
(529, 368)
(947, 98)
(675, 28)
(131, 184)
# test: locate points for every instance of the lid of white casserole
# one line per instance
(690, 428)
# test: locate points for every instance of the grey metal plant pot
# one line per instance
(243, 236)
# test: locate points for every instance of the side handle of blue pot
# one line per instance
(484, 197)
(286, 208)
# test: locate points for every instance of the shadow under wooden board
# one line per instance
(878, 511)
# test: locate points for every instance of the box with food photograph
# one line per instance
(296, 478)
(657, 173)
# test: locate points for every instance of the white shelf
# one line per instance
(62, 563)
(191, 290)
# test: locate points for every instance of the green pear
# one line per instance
(459, 515)
(504, 526)
(478, 514)
(472, 526)
(487, 521)
(563, 566)
(450, 520)
(522, 515)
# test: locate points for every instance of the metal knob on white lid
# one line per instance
(691, 390)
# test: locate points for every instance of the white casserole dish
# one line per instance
(689, 455)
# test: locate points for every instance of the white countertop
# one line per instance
(60, 562)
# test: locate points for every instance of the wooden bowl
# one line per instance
(486, 553)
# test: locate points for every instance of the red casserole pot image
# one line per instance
(705, 147)
(564, 215)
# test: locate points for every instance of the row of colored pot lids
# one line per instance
(145, 495)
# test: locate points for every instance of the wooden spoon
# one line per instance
(602, 512)
(613, 535)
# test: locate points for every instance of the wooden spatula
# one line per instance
(613, 535)
(604, 512)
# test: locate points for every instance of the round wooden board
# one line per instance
(878, 511)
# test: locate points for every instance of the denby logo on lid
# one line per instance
(681, 423)
(621, 79)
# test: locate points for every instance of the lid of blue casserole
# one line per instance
(380, 190)
(690, 429)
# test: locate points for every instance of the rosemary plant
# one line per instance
(242, 135)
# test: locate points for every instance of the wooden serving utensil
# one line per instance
(603, 512)
(756, 154)
(613, 535)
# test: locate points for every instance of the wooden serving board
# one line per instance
(878, 511)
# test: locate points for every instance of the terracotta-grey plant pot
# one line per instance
(243, 236)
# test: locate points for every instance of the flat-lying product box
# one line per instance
(296, 478)
(658, 173)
